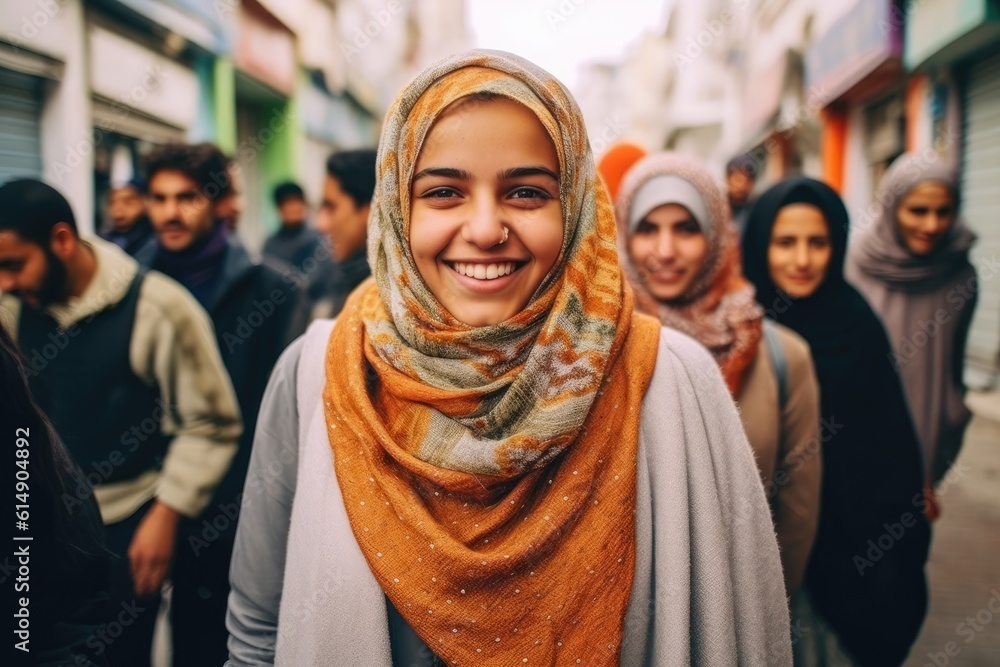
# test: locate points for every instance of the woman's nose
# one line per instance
(665, 244)
(484, 227)
(802, 256)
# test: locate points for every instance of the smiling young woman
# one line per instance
(489, 458)
(913, 265)
(680, 252)
(859, 611)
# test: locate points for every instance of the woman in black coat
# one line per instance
(55, 573)
(865, 593)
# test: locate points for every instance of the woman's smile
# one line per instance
(486, 276)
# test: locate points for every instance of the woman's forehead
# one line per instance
(480, 129)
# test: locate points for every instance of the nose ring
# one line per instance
(506, 233)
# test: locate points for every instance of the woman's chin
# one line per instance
(482, 315)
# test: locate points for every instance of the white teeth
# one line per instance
(485, 271)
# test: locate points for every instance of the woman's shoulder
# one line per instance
(682, 359)
(798, 355)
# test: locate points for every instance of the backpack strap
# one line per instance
(777, 355)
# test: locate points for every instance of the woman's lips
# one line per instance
(485, 285)
(667, 277)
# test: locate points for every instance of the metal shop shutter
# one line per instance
(20, 110)
(981, 207)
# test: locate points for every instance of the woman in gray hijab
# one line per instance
(912, 264)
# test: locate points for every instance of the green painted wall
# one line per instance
(225, 105)
(941, 31)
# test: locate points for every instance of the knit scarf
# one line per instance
(489, 473)
(198, 266)
(718, 309)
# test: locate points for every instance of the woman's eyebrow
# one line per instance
(519, 172)
(443, 172)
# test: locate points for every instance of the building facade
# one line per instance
(88, 89)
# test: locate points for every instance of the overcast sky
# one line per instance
(561, 35)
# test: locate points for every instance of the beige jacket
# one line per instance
(787, 447)
(173, 346)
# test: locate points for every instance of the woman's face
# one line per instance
(668, 250)
(485, 167)
(800, 250)
(925, 215)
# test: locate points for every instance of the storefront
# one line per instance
(331, 122)
(45, 126)
(20, 131)
(953, 47)
(265, 116)
(854, 71)
(141, 99)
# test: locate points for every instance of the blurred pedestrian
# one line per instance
(912, 264)
(229, 200)
(300, 246)
(123, 362)
(68, 595)
(741, 177)
(129, 227)
(865, 593)
(614, 164)
(256, 311)
(343, 216)
(522, 468)
(682, 258)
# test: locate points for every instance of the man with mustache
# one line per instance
(124, 363)
(257, 310)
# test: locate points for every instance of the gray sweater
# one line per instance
(708, 586)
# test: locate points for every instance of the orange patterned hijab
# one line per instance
(489, 472)
(719, 309)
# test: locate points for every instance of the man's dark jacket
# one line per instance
(257, 310)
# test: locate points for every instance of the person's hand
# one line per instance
(932, 509)
(152, 549)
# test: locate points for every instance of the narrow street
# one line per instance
(963, 625)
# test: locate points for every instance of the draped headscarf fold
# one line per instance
(718, 309)
(489, 472)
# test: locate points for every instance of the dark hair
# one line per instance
(286, 190)
(54, 474)
(203, 163)
(31, 209)
(355, 171)
(745, 164)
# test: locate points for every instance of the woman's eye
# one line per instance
(920, 211)
(784, 242)
(689, 228)
(820, 243)
(528, 193)
(439, 193)
(645, 228)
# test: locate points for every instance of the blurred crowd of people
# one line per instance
(144, 355)
(149, 348)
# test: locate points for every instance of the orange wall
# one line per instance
(834, 139)
(915, 95)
